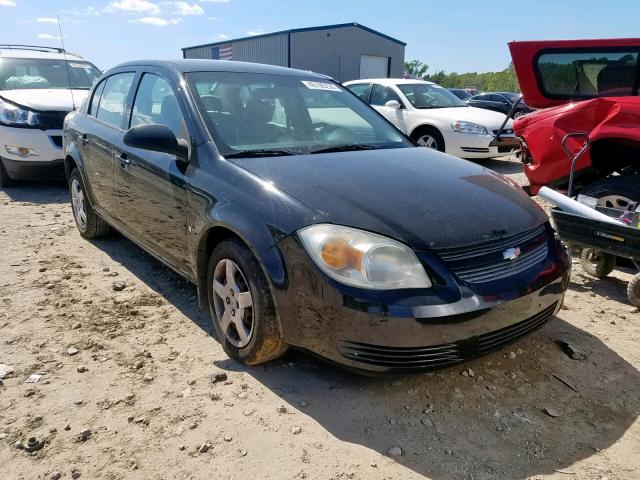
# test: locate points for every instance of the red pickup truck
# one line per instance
(581, 86)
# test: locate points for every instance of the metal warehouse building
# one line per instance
(345, 52)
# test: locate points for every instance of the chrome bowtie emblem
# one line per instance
(511, 253)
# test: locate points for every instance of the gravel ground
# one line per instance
(133, 385)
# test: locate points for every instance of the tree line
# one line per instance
(502, 81)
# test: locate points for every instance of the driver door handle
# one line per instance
(124, 161)
(83, 139)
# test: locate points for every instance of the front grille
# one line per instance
(56, 140)
(506, 131)
(499, 338)
(51, 120)
(440, 356)
(475, 149)
(486, 262)
(506, 149)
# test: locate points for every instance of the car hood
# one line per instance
(487, 118)
(419, 196)
(55, 99)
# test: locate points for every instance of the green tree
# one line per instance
(415, 69)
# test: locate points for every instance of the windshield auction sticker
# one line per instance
(321, 86)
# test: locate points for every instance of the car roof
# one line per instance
(36, 52)
(389, 81)
(198, 65)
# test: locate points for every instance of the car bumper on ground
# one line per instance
(476, 146)
(47, 144)
(406, 332)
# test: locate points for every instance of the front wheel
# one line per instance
(5, 180)
(596, 263)
(428, 137)
(89, 223)
(241, 305)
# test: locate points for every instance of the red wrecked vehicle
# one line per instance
(582, 86)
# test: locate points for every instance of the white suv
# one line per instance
(434, 117)
(39, 86)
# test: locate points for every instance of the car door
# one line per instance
(151, 186)
(556, 72)
(502, 104)
(104, 130)
(380, 95)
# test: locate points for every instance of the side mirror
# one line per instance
(393, 104)
(157, 138)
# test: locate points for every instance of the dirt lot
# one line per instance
(127, 392)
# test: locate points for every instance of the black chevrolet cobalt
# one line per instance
(307, 220)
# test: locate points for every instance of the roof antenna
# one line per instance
(66, 63)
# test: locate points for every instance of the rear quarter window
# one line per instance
(586, 74)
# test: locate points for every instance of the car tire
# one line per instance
(633, 291)
(429, 137)
(241, 305)
(616, 191)
(5, 179)
(89, 223)
(596, 263)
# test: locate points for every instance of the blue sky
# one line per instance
(457, 35)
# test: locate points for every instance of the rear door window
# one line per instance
(95, 99)
(113, 101)
(585, 74)
(361, 90)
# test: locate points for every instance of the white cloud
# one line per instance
(212, 18)
(7, 3)
(222, 36)
(183, 8)
(214, 1)
(134, 6)
(255, 32)
(47, 20)
(48, 36)
(157, 21)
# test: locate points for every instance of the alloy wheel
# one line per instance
(428, 141)
(77, 201)
(614, 201)
(233, 303)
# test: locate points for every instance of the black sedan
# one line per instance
(307, 220)
(503, 102)
(461, 93)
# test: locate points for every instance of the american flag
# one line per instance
(223, 52)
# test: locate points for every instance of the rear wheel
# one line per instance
(5, 179)
(89, 223)
(596, 263)
(241, 305)
(615, 192)
(633, 291)
(428, 137)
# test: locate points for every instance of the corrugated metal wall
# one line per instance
(336, 52)
(272, 50)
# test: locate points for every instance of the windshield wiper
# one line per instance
(346, 148)
(262, 152)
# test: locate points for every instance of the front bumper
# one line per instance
(405, 331)
(464, 145)
(47, 143)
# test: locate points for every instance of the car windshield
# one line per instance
(32, 73)
(251, 114)
(428, 95)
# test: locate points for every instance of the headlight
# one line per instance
(14, 116)
(363, 259)
(468, 127)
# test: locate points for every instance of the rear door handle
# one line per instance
(83, 139)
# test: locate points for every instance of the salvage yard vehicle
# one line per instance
(503, 102)
(434, 117)
(588, 87)
(307, 220)
(39, 86)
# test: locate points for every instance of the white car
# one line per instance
(39, 86)
(434, 117)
